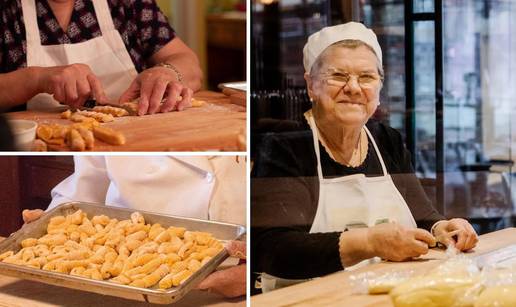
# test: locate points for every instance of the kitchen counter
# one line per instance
(216, 126)
(336, 290)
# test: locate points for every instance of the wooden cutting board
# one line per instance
(216, 126)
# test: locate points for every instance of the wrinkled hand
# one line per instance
(71, 84)
(394, 242)
(152, 86)
(229, 282)
(466, 237)
(31, 215)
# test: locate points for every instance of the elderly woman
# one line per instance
(67, 51)
(344, 192)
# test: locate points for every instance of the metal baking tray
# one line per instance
(36, 229)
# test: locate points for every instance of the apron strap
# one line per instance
(103, 16)
(378, 154)
(30, 18)
(315, 136)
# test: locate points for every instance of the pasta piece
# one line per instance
(78, 271)
(101, 117)
(176, 231)
(137, 218)
(87, 135)
(181, 277)
(100, 220)
(66, 114)
(155, 230)
(29, 242)
(154, 277)
(6, 254)
(109, 135)
(121, 279)
(194, 265)
(75, 141)
(116, 112)
(164, 236)
(140, 235)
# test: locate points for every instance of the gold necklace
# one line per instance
(358, 151)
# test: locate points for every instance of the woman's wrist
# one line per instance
(355, 246)
(39, 75)
(179, 75)
(436, 226)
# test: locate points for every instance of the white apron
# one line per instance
(351, 200)
(106, 55)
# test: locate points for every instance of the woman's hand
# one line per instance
(229, 282)
(394, 242)
(155, 85)
(31, 215)
(466, 236)
(71, 84)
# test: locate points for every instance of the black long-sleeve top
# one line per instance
(285, 193)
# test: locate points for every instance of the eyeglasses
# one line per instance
(341, 79)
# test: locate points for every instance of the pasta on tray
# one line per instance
(129, 252)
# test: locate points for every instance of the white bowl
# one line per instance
(24, 132)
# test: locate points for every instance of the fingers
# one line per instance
(145, 95)
(96, 88)
(70, 89)
(186, 102)
(160, 87)
(466, 236)
(174, 91)
(229, 283)
(473, 237)
(418, 248)
(131, 93)
(31, 215)
(236, 249)
(83, 91)
(424, 236)
(73, 84)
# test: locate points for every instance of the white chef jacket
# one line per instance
(202, 187)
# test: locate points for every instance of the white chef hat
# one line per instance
(326, 37)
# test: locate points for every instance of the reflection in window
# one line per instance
(423, 6)
(424, 93)
(479, 63)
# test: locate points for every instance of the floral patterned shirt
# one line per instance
(143, 27)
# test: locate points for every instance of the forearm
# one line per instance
(291, 254)
(188, 66)
(19, 86)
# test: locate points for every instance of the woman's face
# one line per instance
(346, 88)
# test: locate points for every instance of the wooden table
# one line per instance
(19, 292)
(216, 126)
(335, 289)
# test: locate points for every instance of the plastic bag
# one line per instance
(378, 283)
(456, 282)
(500, 287)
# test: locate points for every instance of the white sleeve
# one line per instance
(88, 183)
(228, 200)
